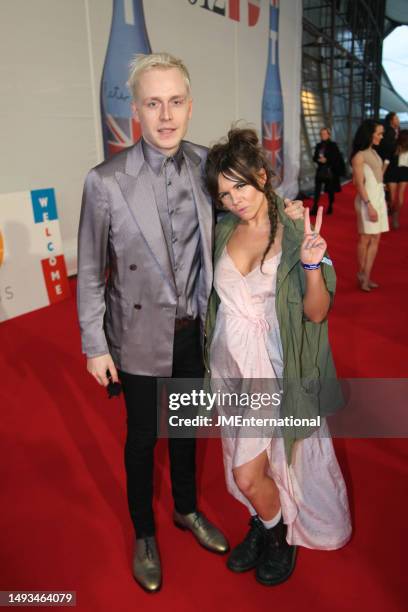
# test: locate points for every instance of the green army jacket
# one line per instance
(310, 385)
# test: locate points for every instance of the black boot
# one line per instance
(278, 558)
(246, 555)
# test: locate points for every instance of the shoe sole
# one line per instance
(243, 569)
(217, 552)
(275, 583)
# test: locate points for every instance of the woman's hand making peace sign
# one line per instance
(313, 246)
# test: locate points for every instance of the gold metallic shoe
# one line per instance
(205, 532)
(146, 564)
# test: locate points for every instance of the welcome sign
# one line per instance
(32, 265)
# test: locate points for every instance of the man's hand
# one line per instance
(294, 209)
(97, 366)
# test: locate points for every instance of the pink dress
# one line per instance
(246, 353)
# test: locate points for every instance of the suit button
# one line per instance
(132, 267)
(137, 306)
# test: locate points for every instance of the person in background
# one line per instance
(330, 167)
(401, 176)
(387, 151)
(370, 203)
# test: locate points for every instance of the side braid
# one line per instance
(273, 218)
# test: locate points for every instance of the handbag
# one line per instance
(324, 174)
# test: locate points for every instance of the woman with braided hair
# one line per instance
(266, 331)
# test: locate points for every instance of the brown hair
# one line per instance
(388, 118)
(240, 156)
(402, 141)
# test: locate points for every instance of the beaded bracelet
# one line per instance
(310, 266)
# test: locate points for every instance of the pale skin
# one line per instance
(246, 247)
(163, 106)
(397, 190)
(367, 246)
(397, 193)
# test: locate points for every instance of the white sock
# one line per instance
(273, 521)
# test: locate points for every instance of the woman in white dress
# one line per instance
(266, 326)
(370, 205)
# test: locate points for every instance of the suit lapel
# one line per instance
(137, 190)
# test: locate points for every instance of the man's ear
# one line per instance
(135, 111)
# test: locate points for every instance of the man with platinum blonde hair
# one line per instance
(144, 279)
(141, 63)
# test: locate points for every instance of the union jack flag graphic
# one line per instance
(272, 101)
(128, 37)
(272, 143)
(122, 133)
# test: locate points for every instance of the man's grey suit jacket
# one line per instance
(126, 291)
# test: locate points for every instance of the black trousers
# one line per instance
(318, 189)
(141, 405)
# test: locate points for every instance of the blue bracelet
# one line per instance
(310, 266)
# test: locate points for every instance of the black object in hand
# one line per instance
(113, 389)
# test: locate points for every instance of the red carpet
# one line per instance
(64, 519)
